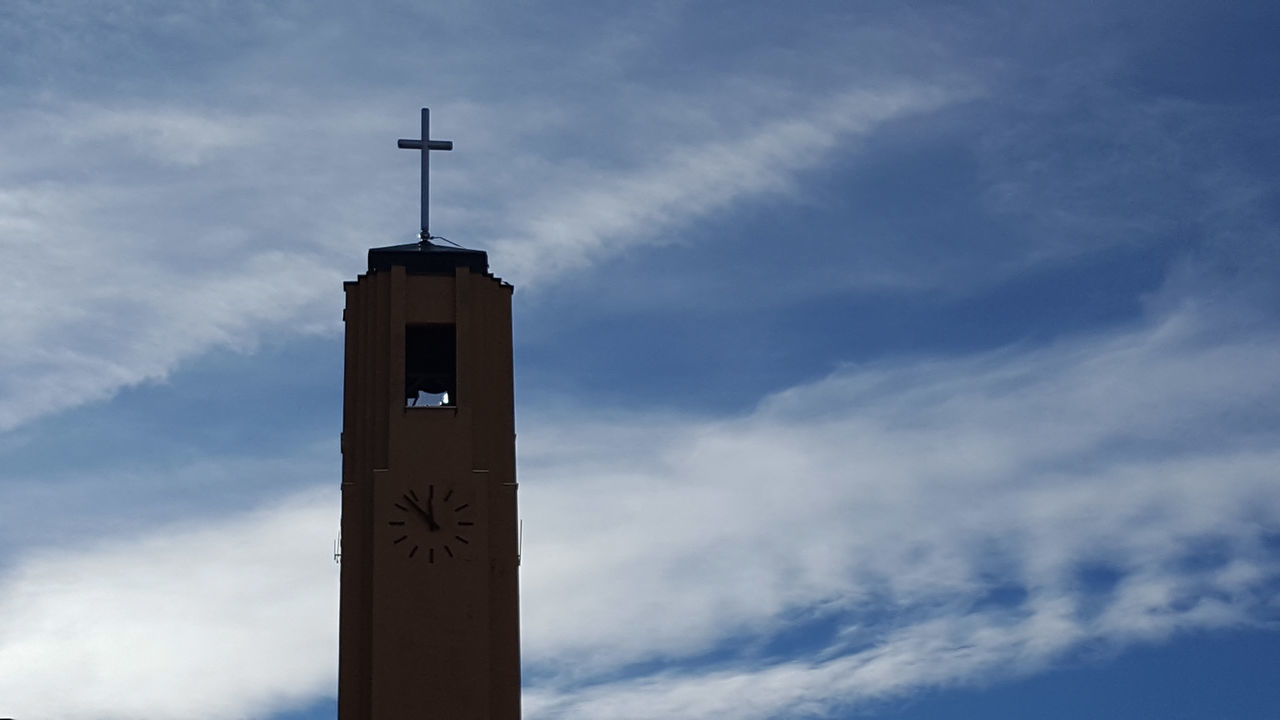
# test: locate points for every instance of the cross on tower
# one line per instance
(425, 145)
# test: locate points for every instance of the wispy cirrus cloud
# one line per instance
(142, 236)
(926, 524)
(193, 231)
(607, 213)
(228, 617)
(916, 524)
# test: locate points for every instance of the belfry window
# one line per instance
(431, 365)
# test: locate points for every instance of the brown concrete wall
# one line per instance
(429, 632)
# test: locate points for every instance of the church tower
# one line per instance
(429, 621)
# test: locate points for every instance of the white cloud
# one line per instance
(890, 499)
(147, 234)
(166, 135)
(201, 618)
(894, 499)
(126, 261)
(203, 204)
(581, 220)
(938, 652)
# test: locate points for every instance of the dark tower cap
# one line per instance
(425, 258)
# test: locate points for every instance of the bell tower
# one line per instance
(429, 620)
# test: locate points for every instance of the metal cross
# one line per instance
(425, 145)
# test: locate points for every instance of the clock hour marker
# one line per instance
(462, 507)
(397, 522)
(461, 539)
(448, 495)
(431, 555)
(400, 539)
(414, 550)
(447, 550)
(401, 507)
(464, 522)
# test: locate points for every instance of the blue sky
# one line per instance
(874, 359)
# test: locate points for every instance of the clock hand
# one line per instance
(431, 513)
(431, 521)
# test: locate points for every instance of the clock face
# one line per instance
(433, 523)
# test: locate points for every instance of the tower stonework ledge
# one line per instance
(429, 620)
